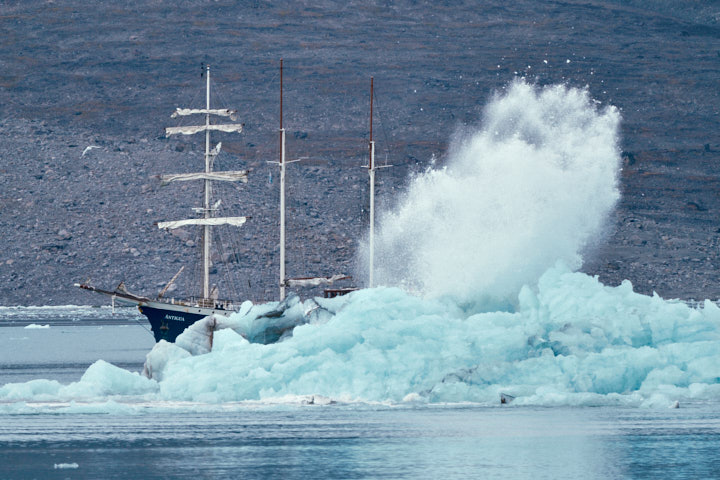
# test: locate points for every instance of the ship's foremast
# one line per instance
(208, 218)
(208, 193)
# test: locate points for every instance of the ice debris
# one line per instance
(569, 340)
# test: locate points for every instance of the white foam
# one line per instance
(532, 186)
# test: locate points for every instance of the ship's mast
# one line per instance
(371, 171)
(207, 219)
(282, 190)
(282, 163)
(208, 192)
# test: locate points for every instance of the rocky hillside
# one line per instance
(108, 77)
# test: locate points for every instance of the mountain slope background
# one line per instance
(76, 74)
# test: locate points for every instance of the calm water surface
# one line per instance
(340, 441)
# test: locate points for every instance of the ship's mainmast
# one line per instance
(282, 163)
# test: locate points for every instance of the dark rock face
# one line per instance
(109, 76)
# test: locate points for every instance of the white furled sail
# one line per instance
(212, 221)
(315, 281)
(229, 176)
(208, 176)
(223, 112)
(193, 129)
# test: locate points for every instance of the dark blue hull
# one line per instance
(168, 324)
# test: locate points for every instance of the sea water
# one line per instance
(480, 301)
(365, 442)
(60, 343)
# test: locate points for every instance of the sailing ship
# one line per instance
(169, 318)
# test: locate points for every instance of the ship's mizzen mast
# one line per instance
(208, 220)
(371, 171)
(282, 191)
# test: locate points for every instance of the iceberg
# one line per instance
(569, 341)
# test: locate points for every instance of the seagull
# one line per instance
(88, 148)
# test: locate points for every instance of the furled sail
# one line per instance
(235, 221)
(223, 112)
(229, 176)
(314, 282)
(192, 129)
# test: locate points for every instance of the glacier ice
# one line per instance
(569, 340)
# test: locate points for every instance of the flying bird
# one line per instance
(88, 148)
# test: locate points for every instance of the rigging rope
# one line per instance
(232, 288)
(382, 127)
(137, 320)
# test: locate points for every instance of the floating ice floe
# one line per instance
(569, 341)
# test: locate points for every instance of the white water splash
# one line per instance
(533, 186)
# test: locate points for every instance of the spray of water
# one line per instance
(532, 186)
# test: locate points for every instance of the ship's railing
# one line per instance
(336, 292)
(696, 304)
(206, 303)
